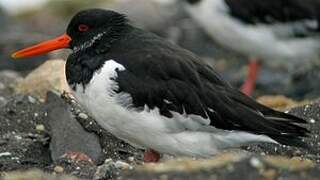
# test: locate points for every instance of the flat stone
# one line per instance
(67, 135)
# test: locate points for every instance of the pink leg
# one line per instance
(250, 83)
(77, 157)
(151, 156)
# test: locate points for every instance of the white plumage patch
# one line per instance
(183, 134)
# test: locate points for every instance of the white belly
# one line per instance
(147, 128)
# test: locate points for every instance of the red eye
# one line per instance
(83, 28)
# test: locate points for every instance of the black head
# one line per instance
(89, 26)
(86, 29)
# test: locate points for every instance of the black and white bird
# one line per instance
(273, 31)
(156, 95)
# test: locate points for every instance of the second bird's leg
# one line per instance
(250, 82)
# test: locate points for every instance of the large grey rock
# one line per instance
(67, 135)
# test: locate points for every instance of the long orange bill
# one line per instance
(44, 47)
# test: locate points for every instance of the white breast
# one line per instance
(180, 135)
(262, 41)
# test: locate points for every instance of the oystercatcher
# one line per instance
(156, 95)
(276, 31)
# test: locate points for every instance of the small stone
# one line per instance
(83, 116)
(131, 159)
(122, 165)
(58, 169)
(269, 174)
(40, 127)
(32, 99)
(3, 101)
(312, 121)
(5, 154)
(255, 162)
(106, 171)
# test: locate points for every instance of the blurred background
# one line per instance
(36, 20)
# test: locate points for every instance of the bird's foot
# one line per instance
(151, 156)
(77, 157)
(250, 83)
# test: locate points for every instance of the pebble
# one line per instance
(83, 116)
(131, 159)
(5, 154)
(32, 99)
(40, 127)
(312, 121)
(122, 165)
(3, 101)
(58, 169)
(255, 162)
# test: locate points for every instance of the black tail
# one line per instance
(290, 141)
(284, 128)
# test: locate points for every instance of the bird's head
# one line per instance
(86, 29)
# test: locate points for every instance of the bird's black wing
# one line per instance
(257, 11)
(167, 77)
(302, 15)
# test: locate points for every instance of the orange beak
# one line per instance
(44, 47)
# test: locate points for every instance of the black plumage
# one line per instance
(257, 11)
(162, 75)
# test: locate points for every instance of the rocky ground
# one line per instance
(41, 127)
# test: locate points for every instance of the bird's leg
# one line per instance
(250, 83)
(150, 156)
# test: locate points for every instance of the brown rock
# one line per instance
(188, 165)
(49, 76)
(293, 164)
(278, 102)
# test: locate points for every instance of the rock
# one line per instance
(58, 169)
(189, 165)
(67, 135)
(40, 127)
(35, 175)
(108, 170)
(293, 164)
(279, 102)
(48, 77)
(113, 147)
(227, 166)
(10, 77)
(7, 81)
